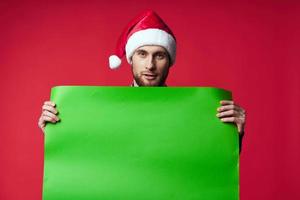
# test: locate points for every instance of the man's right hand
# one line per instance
(49, 113)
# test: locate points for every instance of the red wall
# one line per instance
(249, 48)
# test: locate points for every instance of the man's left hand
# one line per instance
(231, 112)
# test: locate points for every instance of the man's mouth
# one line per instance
(149, 76)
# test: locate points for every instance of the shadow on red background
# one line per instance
(251, 49)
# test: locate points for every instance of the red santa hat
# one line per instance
(146, 29)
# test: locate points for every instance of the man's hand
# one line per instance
(231, 112)
(49, 113)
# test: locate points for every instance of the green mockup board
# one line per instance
(140, 143)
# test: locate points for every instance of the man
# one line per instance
(150, 49)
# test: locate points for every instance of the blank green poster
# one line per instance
(140, 143)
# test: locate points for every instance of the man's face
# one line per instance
(150, 65)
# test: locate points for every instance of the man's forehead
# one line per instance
(152, 48)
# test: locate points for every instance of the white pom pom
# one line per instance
(114, 62)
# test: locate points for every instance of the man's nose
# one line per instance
(151, 63)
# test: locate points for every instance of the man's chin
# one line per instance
(148, 83)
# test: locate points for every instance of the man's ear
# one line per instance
(130, 62)
(170, 62)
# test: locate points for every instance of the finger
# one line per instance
(238, 121)
(49, 114)
(228, 113)
(41, 123)
(238, 108)
(42, 126)
(226, 102)
(226, 105)
(228, 119)
(50, 109)
(242, 110)
(231, 107)
(239, 128)
(224, 108)
(49, 103)
(48, 119)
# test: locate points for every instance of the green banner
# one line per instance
(140, 143)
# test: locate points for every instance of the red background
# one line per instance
(249, 48)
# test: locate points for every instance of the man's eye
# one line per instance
(141, 53)
(160, 56)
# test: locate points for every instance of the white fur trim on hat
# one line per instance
(114, 62)
(151, 37)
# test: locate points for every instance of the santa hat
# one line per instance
(146, 29)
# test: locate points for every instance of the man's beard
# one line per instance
(160, 82)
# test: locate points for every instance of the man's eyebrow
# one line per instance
(141, 50)
(161, 52)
